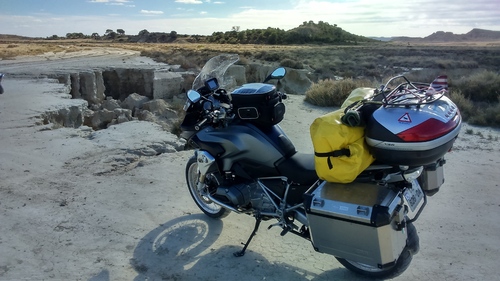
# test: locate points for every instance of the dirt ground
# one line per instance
(76, 204)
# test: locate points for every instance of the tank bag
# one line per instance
(340, 151)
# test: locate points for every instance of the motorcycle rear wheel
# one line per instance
(401, 265)
(375, 272)
(208, 207)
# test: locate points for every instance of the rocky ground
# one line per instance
(79, 204)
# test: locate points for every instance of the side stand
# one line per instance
(241, 253)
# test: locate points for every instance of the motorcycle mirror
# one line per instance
(193, 96)
(278, 73)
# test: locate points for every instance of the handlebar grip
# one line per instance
(199, 124)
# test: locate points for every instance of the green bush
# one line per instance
(466, 106)
(331, 92)
(477, 113)
(291, 63)
(482, 86)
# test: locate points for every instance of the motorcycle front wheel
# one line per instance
(208, 207)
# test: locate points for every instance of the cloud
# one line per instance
(111, 2)
(114, 2)
(148, 12)
(362, 17)
(189, 1)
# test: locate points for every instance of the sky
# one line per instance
(373, 18)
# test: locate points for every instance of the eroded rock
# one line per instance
(118, 95)
(92, 87)
(160, 108)
(134, 101)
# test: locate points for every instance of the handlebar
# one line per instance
(198, 125)
(216, 116)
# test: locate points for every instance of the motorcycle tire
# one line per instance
(404, 260)
(375, 272)
(208, 207)
(413, 241)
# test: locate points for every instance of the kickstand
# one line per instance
(241, 253)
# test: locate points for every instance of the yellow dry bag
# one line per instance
(340, 151)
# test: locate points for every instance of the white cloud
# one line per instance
(362, 17)
(375, 17)
(151, 12)
(203, 13)
(111, 2)
(114, 2)
(189, 1)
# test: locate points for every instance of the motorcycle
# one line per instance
(1, 88)
(245, 163)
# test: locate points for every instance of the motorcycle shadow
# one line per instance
(181, 249)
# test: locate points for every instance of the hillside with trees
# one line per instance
(307, 33)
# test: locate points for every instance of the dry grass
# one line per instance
(331, 92)
(473, 69)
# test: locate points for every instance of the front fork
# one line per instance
(205, 162)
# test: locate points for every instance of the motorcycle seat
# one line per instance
(299, 168)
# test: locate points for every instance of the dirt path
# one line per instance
(82, 205)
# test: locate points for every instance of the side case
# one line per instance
(356, 221)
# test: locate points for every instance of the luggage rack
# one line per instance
(409, 93)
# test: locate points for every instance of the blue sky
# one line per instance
(418, 18)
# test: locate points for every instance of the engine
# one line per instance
(247, 195)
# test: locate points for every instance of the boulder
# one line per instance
(160, 108)
(126, 113)
(101, 119)
(235, 76)
(145, 115)
(134, 101)
(110, 104)
(167, 84)
(296, 81)
(67, 115)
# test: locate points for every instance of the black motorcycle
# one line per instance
(244, 163)
(1, 88)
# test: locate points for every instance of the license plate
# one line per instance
(414, 196)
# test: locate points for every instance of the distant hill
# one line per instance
(306, 33)
(323, 32)
(7, 37)
(475, 35)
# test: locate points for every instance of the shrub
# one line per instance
(291, 63)
(477, 113)
(331, 92)
(481, 86)
(466, 106)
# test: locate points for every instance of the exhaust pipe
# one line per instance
(222, 204)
